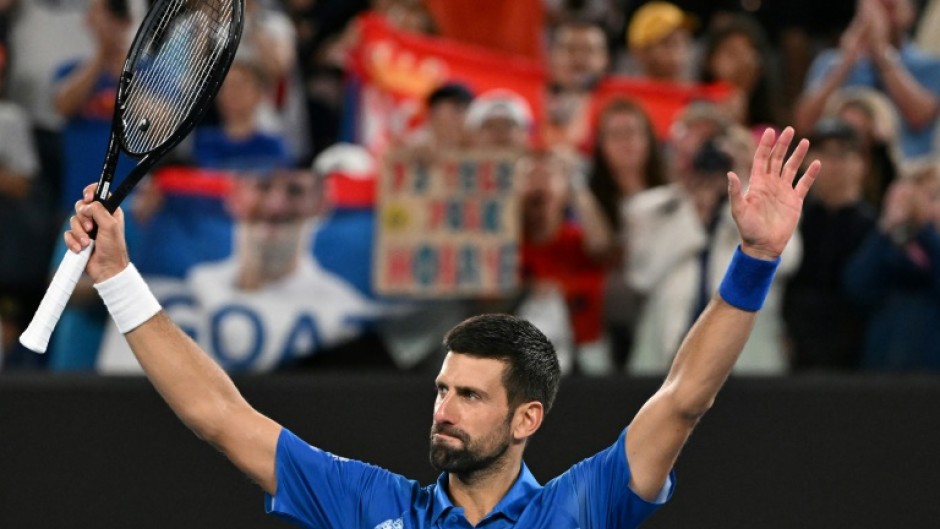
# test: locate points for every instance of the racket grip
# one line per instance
(36, 336)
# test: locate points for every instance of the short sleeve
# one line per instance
(316, 489)
(600, 486)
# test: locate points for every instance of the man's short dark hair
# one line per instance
(452, 92)
(532, 373)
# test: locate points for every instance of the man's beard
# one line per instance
(471, 457)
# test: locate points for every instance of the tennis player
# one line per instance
(494, 389)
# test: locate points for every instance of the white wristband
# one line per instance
(128, 299)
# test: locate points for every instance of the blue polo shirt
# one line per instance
(316, 489)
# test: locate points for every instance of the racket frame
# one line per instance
(112, 198)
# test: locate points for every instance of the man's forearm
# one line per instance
(703, 362)
(205, 399)
(194, 386)
(707, 356)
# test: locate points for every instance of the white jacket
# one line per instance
(664, 240)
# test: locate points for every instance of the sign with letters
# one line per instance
(448, 227)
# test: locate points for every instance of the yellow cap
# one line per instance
(653, 21)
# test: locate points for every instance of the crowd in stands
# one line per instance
(621, 118)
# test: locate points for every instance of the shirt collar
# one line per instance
(511, 506)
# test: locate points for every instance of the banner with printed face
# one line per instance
(207, 253)
(448, 228)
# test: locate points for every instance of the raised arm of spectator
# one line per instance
(195, 387)
(74, 89)
(599, 237)
(766, 215)
(916, 103)
(811, 104)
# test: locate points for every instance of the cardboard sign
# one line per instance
(448, 228)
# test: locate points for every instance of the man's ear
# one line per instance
(527, 419)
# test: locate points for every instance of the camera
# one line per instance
(710, 158)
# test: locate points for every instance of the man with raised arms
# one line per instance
(496, 385)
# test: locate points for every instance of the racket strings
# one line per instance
(174, 70)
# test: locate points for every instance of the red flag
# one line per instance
(511, 27)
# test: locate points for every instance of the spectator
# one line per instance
(627, 160)
(698, 122)
(444, 128)
(681, 237)
(873, 115)
(239, 141)
(43, 36)
(18, 162)
(236, 144)
(578, 60)
(269, 40)
(84, 95)
(22, 224)
(499, 119)
(197, 224)
(317, 21)
(560, 264)
(660, 41)
(896, 275)
(875, 52)
(825, 328)
(737, 52)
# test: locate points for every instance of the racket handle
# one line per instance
(36, 336)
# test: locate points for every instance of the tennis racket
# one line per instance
(175, 65)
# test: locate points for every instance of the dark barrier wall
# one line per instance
(774, 453)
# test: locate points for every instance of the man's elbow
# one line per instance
(690, 404)
(208, 422)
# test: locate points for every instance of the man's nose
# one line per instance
(444, 412)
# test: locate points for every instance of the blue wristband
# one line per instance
(747, 281)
